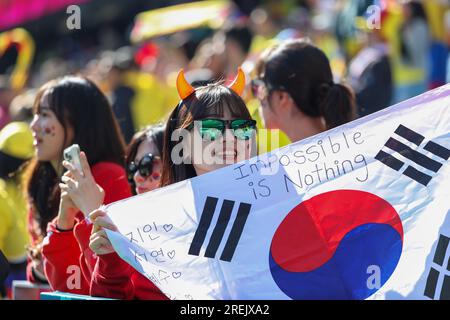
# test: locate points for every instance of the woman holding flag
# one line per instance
(219, 117)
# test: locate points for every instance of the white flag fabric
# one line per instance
(356, 212)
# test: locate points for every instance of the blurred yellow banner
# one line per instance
(167, 20)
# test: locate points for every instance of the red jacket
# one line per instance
(114, 278)
(68, 260)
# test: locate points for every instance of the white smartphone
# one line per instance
(72, 154)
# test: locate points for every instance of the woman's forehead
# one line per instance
(45, 99)
(223, 111)
(147, 146)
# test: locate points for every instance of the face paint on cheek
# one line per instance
(155, 176)
(50, 131)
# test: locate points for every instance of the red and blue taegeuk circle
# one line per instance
(325, 247)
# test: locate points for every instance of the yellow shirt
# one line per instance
(13, 222)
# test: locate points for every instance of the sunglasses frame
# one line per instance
(226, 124)
(139, 167)
(256, 84)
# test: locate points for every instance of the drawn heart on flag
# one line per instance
(176, 275)
(168, 227)
(171, 254)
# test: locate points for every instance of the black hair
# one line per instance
(241, 35)
(303, 70)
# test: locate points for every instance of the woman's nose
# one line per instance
(138, 178)
(34, 124)
(228, 135)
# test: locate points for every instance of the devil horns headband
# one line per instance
(185, 89)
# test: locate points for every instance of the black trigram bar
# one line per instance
(448, 264)
(409, 135)
(433, 276)
(437, 150)
(236, 232)
(413, 155)
(441, 250)
(389, 160)
(415, 174)
(219, 229)
(203, 226)
(430, 287)
(445, 290)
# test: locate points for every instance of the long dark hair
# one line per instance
(303, 71)
(212, 99)
(155, 133)
(79, 104)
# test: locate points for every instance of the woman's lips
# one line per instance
(141, 190)
(37, 141)
(226, 154)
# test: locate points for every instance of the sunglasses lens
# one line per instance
(146, 166)
(131, 170)
(211, 129)
(210, 134)
(243, 129)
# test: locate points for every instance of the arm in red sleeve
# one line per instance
(88, 258)
(114, 278)
(62, 261)
(69, 261)
(111, 177)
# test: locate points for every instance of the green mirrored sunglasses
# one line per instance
(212, 129)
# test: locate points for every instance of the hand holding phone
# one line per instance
(72, 155)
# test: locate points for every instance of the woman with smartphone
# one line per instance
(70, 110)
(219, 118)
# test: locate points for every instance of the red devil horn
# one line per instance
(238, 85)
(183, 87)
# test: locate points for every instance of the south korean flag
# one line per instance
(357, 212)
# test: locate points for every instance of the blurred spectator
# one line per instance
(122, 95)
(237, 40)
(414, 35)
(210, 58)
(414, 48)
(370, 74)
(345, 29)
(51, 68)
(436, 11)
(21, 107)
(16, 147)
